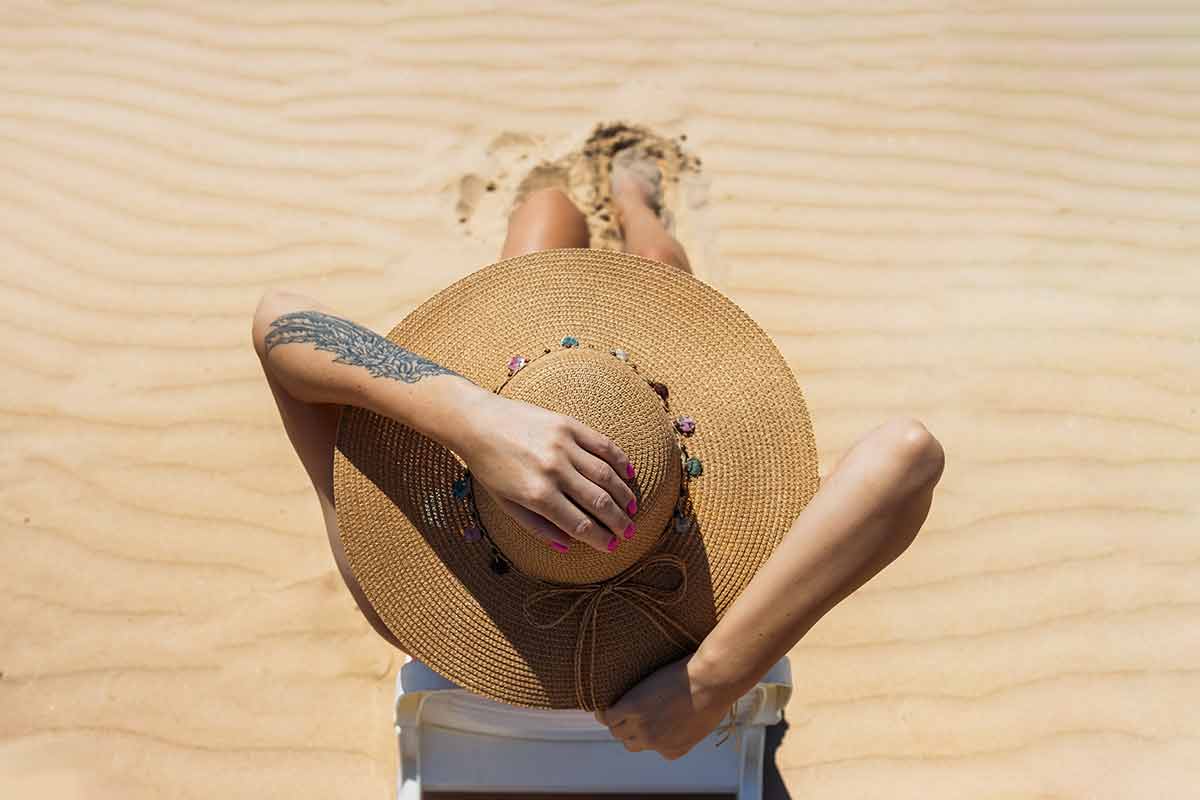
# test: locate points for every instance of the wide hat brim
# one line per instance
(402, 529)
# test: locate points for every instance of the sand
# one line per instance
(984, 219)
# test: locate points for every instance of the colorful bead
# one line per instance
(683, 523)
(620, 354)
(516, 362)
(472, 534)
(461, 488)
(694, 467)
(659, 389)
(685, 425)
(569, 341)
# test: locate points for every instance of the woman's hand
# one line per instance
(546, 470)
(866, 513)
(669, 711)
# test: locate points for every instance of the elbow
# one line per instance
(261, 321)
(915, 453)
(273, 304)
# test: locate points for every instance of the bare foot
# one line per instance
(636, 179)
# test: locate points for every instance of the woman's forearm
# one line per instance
(525, 456)
(319, 357)
(864, 516)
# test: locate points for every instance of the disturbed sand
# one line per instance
(987, 220)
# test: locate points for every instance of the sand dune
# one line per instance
(986, 219)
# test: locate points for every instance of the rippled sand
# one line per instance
(987, 220)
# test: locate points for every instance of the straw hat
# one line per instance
(691, 389)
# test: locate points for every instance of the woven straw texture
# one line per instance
(402, 528)
(609, 396)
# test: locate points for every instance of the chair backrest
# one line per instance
(455, 741)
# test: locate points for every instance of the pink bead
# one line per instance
(516, 362)
(685, 425)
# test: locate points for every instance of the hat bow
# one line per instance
(647, 598)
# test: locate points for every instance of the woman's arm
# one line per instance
(866, 513)
(542, 467)
(342, 363)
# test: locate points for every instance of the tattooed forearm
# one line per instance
(351, 344)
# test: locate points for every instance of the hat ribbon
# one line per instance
(646, 598)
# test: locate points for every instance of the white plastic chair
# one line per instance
(454, 741)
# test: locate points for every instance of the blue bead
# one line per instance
(694, 467)
(569, 341)
(460, 488)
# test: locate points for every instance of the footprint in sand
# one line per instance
(514, 141)
(470, 188)
(544, 176)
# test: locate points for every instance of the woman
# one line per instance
(572, 486)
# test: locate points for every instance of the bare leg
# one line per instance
(637, 196)
(546, 219)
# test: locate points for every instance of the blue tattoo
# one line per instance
(351, 344)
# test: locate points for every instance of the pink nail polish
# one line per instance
(629, 470)
(559, 546)
(612, 544)
(629, 531)
(631, 509)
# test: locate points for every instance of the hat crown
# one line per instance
(609, 396)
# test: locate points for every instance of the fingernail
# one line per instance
(559, 546)
(631, 509)
(629, 532)
(612, 544)
(629, 470)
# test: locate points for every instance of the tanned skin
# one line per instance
(568, 484)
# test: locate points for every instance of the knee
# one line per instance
(548, 201)
(545, 219)
(914, 451)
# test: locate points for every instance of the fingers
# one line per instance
(617, 720)
(536, 524)
(628, 734)
(602, 447)
(634, 740)
(601, 473)
(633, 744)
(626, 729)
(567, 517)
(598, 504)
(605, 718)
(631, 729)
(580, 491)
(637, 741)
(611, 717)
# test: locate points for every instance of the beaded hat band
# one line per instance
(679, 378)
